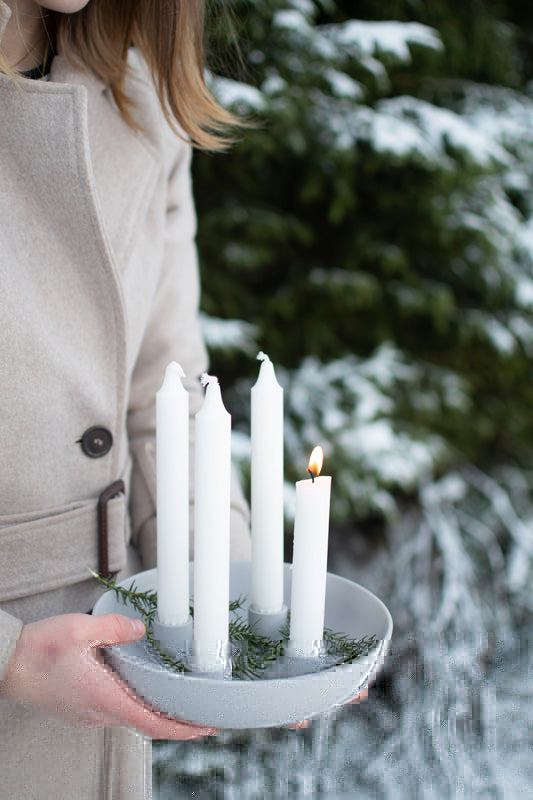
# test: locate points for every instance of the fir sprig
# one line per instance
(346, 649)
(143, 602)
(238, 604)
(252, 653)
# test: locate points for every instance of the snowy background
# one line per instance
(393, 289)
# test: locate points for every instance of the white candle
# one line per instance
(311, 531)
(267, 490)
(211, 527)
(172, 464)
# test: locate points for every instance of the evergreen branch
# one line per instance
(349, 650)
(238, 604)
(172, 662)
(143, 602)
(254, 652)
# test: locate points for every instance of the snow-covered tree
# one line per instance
(375, 229)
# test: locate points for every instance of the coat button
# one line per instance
(96, 442)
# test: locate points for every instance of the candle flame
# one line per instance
(316, 460)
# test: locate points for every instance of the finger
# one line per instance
(121, 706)
(133, 713)
(119, 702)
(362, 696)
(300, 725)
(158, 725)
(114, 629)
(180, 729)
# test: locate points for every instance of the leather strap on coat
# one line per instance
(45, 551)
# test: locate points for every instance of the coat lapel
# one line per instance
(117, 152)
(108, 151)
(71, 214)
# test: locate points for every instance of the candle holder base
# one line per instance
(215, 664)
(275, 700)
(299, 660)
(175, 639)
(269, 625)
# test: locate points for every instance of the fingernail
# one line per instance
(201, 733)
(137, 627)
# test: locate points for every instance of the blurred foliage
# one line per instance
(383, 199)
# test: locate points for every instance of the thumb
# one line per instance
(115, 629)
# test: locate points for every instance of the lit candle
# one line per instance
(172, 464)
(267, 490)
(211, 527)
(311, 531)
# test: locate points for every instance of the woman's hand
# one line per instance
(56, 669)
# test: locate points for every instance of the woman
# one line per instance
(99, 294)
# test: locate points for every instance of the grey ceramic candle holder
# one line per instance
(350, 609)
(177, 639)
(269, 625)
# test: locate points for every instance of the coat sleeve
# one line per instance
(10, 628)
(172, 333)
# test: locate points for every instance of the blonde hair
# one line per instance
(170, 36)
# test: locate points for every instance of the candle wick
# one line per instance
(312, 474)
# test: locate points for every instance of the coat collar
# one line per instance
(107, 147)
(64, 71)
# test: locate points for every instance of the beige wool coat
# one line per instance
(99, 292)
